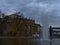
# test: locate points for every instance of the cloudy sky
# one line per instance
(34, 9)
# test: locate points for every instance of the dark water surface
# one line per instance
(17, 41)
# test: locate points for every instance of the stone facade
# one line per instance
(17, 24)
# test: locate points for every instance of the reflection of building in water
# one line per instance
(17, 24)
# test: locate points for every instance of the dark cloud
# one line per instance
(33, 9)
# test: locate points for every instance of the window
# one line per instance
(25, 27)
(5, 26)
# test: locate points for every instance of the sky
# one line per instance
(34, 9)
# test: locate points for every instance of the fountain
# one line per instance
(44, 40)
(45, 31)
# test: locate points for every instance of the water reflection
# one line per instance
(17, 41)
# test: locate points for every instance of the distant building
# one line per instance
(18, 25)
(54, 32)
